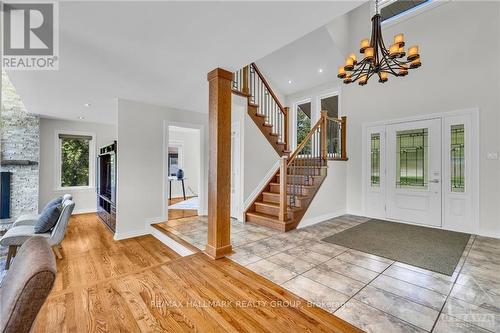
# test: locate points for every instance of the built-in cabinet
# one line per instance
(106, 185)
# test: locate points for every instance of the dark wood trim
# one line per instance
(268, 87)
(344, 137)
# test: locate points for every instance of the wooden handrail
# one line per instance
(268, 87)
(304, 142)
(334, 119)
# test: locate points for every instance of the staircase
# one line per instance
(285, 198)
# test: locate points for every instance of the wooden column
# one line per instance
(343, 127)
(287, 140)
(323, 143)
(219, 163)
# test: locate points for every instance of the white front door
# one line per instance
(413, 175)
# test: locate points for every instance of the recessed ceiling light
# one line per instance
(289, 81)
(320, 70)
(87, 105)
(81, 117)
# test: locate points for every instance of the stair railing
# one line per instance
(336, 138)
(250, 82)
(326, 140)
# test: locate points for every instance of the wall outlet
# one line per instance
(492, 156)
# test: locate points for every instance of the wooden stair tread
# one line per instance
(274, 205)
(268, 217)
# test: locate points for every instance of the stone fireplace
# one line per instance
(20, 149)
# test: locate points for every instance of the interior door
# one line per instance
(414, 172)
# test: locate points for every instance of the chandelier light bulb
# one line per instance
(341, 73)
(365, 43)
(383, 77)
(399, 39)
(369, 52)
(413, 52)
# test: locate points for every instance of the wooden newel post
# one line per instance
(286, 113)
(323, 143)
(343, 127)
(246, 80)
(219, 163)
(283, 188)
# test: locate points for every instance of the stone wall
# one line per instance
(20, 140)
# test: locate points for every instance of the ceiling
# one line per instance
(307, 62)
(160, 52)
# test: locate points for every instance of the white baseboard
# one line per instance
(155, 220)
(130, 234)
(319, 219)
(180, 249)
(489, 233)
(259, 187)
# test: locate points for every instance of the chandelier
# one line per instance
(377, 60)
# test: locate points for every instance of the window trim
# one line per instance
(294, 119)
(58, 161)
(408, 14)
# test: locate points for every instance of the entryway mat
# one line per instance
(429, 248)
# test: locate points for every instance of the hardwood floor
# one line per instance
(175, 214)
(140, 285)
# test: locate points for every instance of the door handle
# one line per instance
(435, 181)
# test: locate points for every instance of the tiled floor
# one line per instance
(373, 293)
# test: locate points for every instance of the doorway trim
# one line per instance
(202, 176)
(473, 113)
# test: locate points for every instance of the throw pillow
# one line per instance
(48, 219)
(56, 201)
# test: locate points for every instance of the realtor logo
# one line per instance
(30, 36)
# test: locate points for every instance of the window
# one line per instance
(331, 106)
(396, 8)
(375, 160)
(303, 121)
(75, 160)
(457, 155)
(412, 159)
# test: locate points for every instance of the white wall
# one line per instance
(459, 45)
(85, 200)
(330, 201)
(141, 158)
(190, 141)
(257, 155)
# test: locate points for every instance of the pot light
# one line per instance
(81, 117)
(320, 70)
(289, 81)
(87, 105)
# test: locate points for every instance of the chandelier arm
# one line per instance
(358, 75)
(389, 67)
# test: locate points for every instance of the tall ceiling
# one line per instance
(307, 62)
(160, 52)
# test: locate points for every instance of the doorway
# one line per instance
(183, 172)
(423, 171)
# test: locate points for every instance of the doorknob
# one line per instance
(435, 181)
